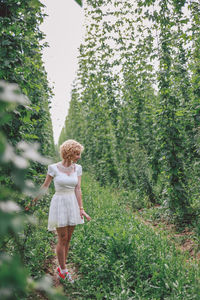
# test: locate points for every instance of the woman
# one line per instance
(66, 208)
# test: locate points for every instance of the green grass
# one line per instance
(179, 233)
(117, 255)
(38, 245)
(121, 258)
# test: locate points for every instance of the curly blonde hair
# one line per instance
(69, 148)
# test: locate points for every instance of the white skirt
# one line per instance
(64, 210)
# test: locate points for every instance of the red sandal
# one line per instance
(65, 275)
(60, 274)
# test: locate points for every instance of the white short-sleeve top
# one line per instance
(62, 181)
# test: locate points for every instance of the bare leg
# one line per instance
(60, 248)
(70, 230)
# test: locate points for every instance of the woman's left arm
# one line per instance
(79, 193)
(79, 199)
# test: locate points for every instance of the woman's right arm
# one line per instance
(42, 191)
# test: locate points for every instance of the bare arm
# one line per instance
(44, 187)
(79, 193)
(42, 190)
(79, 199)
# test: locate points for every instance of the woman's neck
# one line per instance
(66, 163)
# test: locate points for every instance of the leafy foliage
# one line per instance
(79, 2)
(25, 125)
(135, 107)
(18, 230)
(121, 258)
(21, 63)
(135, 101)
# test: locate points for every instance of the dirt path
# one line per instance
(182, 240)
(52, 269)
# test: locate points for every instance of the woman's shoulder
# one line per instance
(77, 165)
(52, 169)
(78, 169)
(54, 165)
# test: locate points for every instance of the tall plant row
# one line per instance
(26, 137)
(21, 63)
(135, 100)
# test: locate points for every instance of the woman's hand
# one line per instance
(83, 213)
(27, 207)
(41, 192)
(30, 204)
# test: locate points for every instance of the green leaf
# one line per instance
(79, 2)
(36, 4)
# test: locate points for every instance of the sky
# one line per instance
(64, 33)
